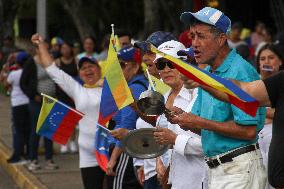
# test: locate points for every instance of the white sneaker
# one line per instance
(63, 149)
(73, 147)
(34, 165)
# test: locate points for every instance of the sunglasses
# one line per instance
(161, 64)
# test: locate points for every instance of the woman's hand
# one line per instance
(37, 39)
(164, 136)
(160, 169)
(45, 58)
(119, 133)
(110, 167)
(140, 175)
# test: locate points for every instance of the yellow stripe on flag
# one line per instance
(207, 79)
(115, 78)
(160, 86)
(47, 105)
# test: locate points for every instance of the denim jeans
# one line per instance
(152, 183)
(21, 129)
(34, 108)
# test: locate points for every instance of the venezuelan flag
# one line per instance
(115, 96)
(104, 140)
(237, 97)
(115, 93)
(57, 121)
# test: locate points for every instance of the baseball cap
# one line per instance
(209, 16)
(87, 59)
(156, 38)
(22, 57)
(56, 41)
(186, 52)
(130, 54)
(171, 48)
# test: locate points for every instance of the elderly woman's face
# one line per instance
(168, 73)
(269, 62)
(90, 73)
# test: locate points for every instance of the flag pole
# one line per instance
(150, 80)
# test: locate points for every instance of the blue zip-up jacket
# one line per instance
(126, 117)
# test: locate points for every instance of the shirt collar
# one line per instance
(183, 93)
(226, 63)
(90, 86)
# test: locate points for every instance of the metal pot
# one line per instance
(151, 103)
(141, 144)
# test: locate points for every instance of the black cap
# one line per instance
(156, 38)
(87, 59)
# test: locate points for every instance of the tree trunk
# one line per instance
(151, 17)
(8, 12)
(74, 9)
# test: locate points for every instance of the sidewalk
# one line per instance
(66, 177)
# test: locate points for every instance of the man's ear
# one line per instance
(222, 39)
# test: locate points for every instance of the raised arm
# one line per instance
(45, 57)
(65, 81)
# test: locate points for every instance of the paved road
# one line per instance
(6, 181)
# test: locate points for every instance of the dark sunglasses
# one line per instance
(161, 64)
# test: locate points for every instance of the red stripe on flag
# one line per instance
(103, 121)
(102, 160)
(248, 107)
(66, 127)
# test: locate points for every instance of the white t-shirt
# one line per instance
(17, 96)
(87, 100)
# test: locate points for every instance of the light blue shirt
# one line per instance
(206, 106)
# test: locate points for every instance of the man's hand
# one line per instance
(172, 113)
(186, 121)
(119, 133)
(140, 175)
(109, 168)
(37, 39)
(164, 136)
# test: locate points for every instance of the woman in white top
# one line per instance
(187, 167)
(20, 110)
(87, 100)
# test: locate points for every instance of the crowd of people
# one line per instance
(213, 143)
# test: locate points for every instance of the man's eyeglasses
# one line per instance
(162, 63)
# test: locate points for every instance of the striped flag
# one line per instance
(115, 96)
(57, 121)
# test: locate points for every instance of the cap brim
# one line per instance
(188, 18)
(157, 57)
(186, 52)
(143, 45)
(86, 59)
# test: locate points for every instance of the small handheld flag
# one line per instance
(115, 96)
(57, 121)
